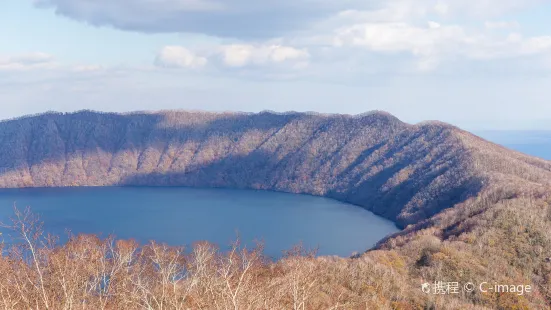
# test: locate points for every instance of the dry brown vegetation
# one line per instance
(89, 273)
(471, 210)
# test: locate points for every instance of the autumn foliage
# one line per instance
(89, 273)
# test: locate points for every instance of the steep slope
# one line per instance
(404, 172)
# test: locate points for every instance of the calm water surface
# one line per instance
(181, 216)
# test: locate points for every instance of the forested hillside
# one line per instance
(404, 172)
(472, 211)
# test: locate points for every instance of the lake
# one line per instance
(181, 216)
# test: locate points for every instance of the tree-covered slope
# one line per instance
(404, 172)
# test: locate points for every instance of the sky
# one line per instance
(478, 64)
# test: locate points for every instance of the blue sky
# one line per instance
(483, 64)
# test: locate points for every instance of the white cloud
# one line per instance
(434, 25)
(237, 55)
(435, 43)
(35, 60)
(402, 37)
(233, 55)
(179, 57)
(240, 55)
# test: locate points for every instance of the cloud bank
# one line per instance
(262, 19)
(425, 31)
(179, 57)
(227, 18)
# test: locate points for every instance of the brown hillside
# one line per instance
(403, 172)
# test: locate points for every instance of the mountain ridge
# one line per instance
(404, 172)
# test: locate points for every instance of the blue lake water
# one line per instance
(181, 216)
